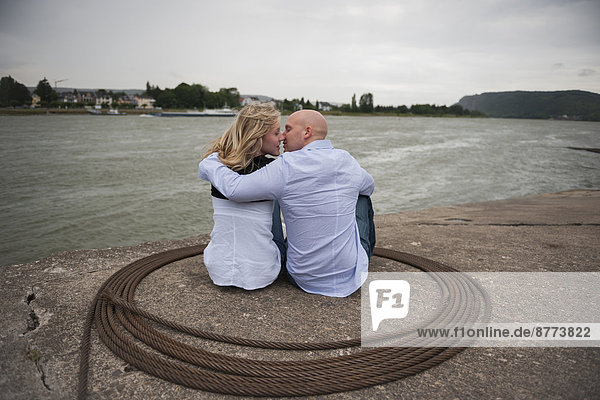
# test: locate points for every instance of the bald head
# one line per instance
(303, 127)
(314, 120)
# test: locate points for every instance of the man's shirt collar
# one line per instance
(318, 144)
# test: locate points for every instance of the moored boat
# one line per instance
(114, 111)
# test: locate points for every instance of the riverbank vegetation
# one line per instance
(186, 96)
(365, 107)
(13, 93)
(576, 105)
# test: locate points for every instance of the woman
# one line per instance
(242, 251)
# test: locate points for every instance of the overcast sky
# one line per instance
(404, 52)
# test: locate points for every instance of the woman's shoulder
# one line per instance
(256, 163)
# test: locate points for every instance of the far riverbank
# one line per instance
(83, 111)
(64, 111)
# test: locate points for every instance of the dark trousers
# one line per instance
(366, 226)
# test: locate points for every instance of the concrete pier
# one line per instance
(44, 305)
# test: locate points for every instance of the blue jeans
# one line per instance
(364, 220)
(366, 226)
(277, 231)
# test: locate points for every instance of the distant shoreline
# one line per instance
(83, 111)
(63, 111)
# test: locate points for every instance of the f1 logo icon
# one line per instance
(389, 299)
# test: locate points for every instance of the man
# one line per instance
(317, 187)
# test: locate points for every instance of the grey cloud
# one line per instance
(587, 72)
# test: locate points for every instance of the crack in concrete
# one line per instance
(42, 375)
(35, 356)
(33, 322)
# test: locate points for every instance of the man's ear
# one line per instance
(308, 132)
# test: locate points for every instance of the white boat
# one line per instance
(96, 111)
(221, 112)
(114, 111)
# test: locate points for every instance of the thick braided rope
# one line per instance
(118, 319)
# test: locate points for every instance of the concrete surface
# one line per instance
(44, 305)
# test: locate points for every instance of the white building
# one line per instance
(244, 101)
(324, 106)
(103, 100)
(35, 100)
(143, 102)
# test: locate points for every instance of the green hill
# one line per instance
(568, 104)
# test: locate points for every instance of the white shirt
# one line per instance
(317, 188)
(241, 251)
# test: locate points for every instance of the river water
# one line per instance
(72, 182)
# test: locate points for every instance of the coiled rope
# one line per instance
(118, 320)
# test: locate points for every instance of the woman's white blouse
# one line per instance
(241, 251)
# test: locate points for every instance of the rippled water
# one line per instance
(73, 182)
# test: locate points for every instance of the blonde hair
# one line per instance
(243, 140)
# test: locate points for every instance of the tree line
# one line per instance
(365, 105)
(430, 110)
(193, 96)
(15, 94)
